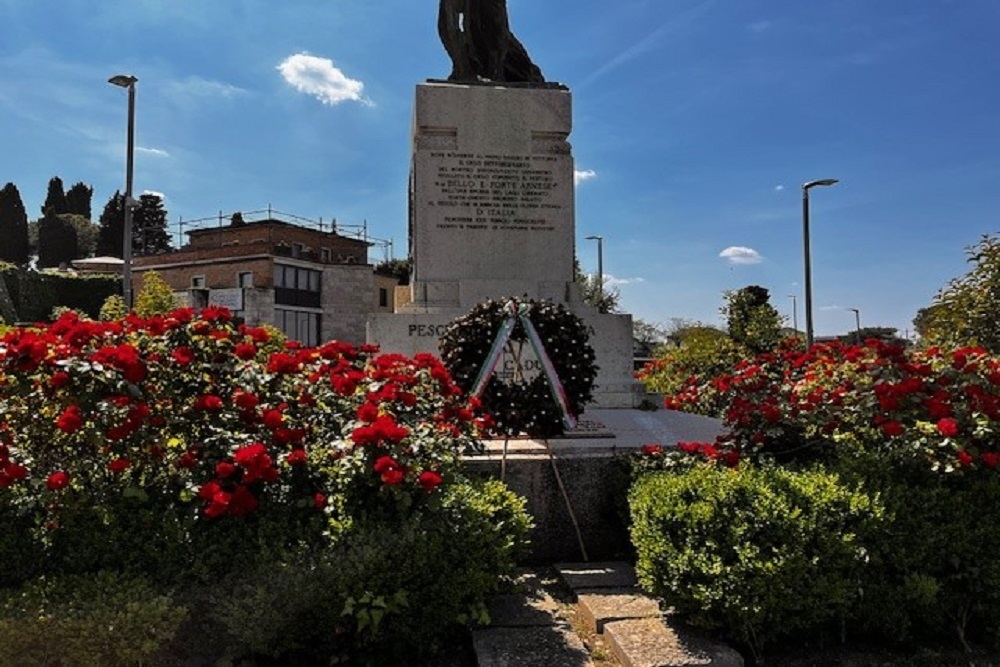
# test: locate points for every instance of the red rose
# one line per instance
(119, 465)
(297, 457)
(384, 463)
(59, 379)
(319, 500)
(70, 420)
(393, 477)
(989, 459)
(429, 480)
(245, 400)
(964, 459)
(183, 355)
(947, 427)
(224, 469)
(245, 351)
(893, 429)
(368, 412)
(273, 419)
(652, 450)
(17, 471)
(57, 481)
(208, 402)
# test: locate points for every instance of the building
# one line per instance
(314, 285)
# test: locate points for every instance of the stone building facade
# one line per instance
(314, 285)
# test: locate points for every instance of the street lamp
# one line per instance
(128, 81)
(600, 267)
(805, 245)
(795, 315)
(857, 325)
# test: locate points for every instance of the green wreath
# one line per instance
(524, 405)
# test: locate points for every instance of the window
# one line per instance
(324, 255)
(197, 281)
(295, 286)
(300, 325)
(297, 249)
(383, 297)
(245, 279)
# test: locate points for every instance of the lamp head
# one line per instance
(822, 181)
(123, 80)
(595, 238)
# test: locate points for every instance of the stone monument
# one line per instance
(492, 196)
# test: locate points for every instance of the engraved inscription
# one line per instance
(475, 191)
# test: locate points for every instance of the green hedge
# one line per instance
(755, 553)
(34, 294)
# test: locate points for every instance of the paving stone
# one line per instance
(610, 574)
(552, 646)
(648, 642)
(535, 608)
(598, 606)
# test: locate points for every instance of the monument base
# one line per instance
(408, 333)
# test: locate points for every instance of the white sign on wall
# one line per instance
(231, 298)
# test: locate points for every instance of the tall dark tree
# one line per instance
(112, 226)
(752, 321)
(55, 200)
(13, 226)
(149, 227)
(78, 200)
(56, 241)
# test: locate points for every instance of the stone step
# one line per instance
(526, 631)
(638, 631)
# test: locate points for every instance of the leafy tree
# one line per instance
(965, 311)
(111, 227)
(55, 200)
(753, 322)
(598, 295)
(648, 336)
(14, 245)
(399, 269)
(156, 297)
(56, 241)
(887, 334)
(149, 227)
(78, 200)
(113, 308)
(86, 234)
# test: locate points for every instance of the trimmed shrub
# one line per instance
(757, 553)
(97, 620)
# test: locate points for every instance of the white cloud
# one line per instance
(613, 281)
(581, 175)
(759, 26)
(736, 254)
(198, 87)
(779, 188)
(161, 196)
(158, 152)
(321, 79)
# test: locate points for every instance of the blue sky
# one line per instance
(696, 123)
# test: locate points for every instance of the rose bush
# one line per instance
(914, 430)
(186, 447)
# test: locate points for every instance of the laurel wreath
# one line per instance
(523, 405)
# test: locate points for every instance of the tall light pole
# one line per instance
(600, 267)
(857, 325)
(805, 244)
(127, 81)
(795, 314)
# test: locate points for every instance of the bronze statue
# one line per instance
(476, 34)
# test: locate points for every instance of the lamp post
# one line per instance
(805, 245)
(600, 268)
(857, 325)
(127, 81)
(795, 314)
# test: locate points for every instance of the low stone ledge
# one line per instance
(649, 642)
(609, 574)
(599, 607)
(555, 645)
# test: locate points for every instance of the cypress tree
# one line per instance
(55, 200)
(149, 227)
(13, 226)
(56, 241)
(78, 200)
(112, 226)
